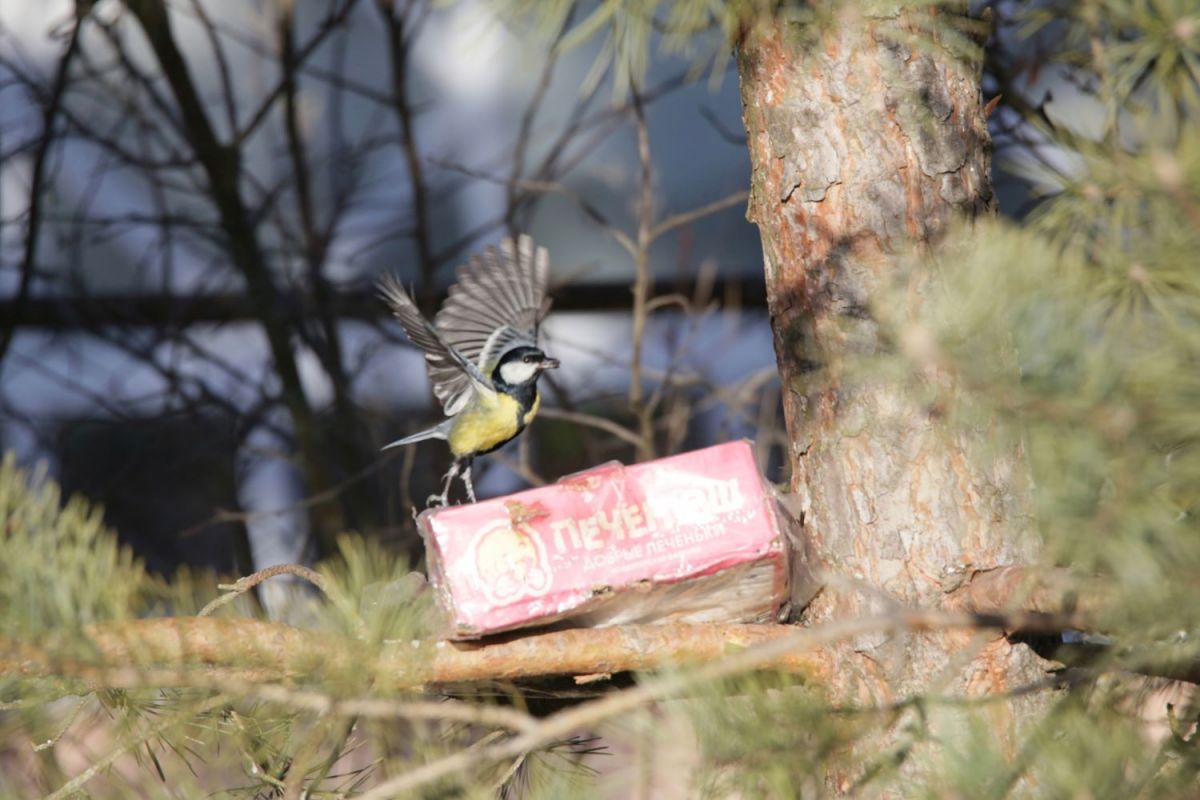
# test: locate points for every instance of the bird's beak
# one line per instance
(549, 363)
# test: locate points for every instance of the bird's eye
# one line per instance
(528, 359)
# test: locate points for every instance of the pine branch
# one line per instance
(1034, 591)
(130, 742)
(167, 651)
(784, 644)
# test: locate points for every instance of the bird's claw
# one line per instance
(466, 478)
(457, 469)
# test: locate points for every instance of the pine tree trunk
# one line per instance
(862, 148)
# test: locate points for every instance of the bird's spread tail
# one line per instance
(436, 432)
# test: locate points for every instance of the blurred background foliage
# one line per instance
(1071, 325)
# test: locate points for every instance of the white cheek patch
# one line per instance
(515, 373)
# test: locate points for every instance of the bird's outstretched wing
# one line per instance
(497, 302)
(453, 374)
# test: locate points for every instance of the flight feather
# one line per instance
(497, 303)
(440, 356)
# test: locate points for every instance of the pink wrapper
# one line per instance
(690, 538)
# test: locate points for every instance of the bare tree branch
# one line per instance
(398, 52)
(222, 167)
(50, 111)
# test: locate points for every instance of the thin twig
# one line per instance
(335, 752)
(685, 217)
(398, 52)
(75, 784)
(523, 470)
(593, 421)
(305, 753)
(243, 585)
(330, 24)
(384, 708)
(641, 282)
(525, 130)
(37, 193)
(257, 686)
(317, 498)
(66, 726)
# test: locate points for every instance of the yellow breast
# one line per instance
(486, 422)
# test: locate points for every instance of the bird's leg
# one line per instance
(447, 479)
(466, 476)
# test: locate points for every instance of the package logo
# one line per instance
(698, 500)
(510, 562)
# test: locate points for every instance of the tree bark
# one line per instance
(862, 149)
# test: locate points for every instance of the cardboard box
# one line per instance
(690, 538)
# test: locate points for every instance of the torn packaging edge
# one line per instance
(682, 538)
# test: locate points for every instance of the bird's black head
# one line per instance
(521, 366)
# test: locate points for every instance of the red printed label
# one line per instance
(538, 555)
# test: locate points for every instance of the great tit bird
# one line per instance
(481, 352)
